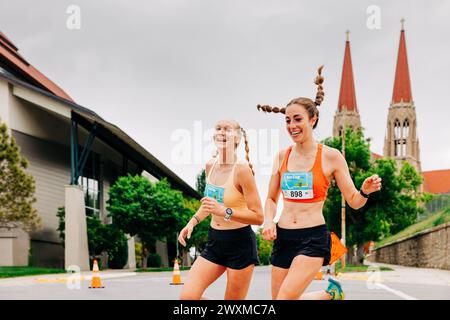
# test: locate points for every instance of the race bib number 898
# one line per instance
(297, 185)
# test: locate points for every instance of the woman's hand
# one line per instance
(211, 205)
(269, 231)
(371, 184)
(185, 232)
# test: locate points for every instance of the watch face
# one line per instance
(229, 211)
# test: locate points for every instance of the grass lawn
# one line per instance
(161, 269)
(430, 222)
(9, 272)
(362, 268)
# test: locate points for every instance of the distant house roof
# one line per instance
(437, 181)
(376, 155)
(10, 56)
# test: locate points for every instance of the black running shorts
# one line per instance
(311, 242)
(234, 249)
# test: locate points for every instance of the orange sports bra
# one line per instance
(311, 186)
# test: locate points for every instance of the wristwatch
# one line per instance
(228, 213)
(363, 194)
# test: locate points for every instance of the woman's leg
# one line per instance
(238, 282)
(301, 273)
(316, 295)
(201, 275)
(278, 275)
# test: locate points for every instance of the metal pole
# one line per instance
(343, 260)
(176, 241)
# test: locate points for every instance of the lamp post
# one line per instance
(342, 196)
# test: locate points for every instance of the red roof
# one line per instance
(347, 95)
(376, 155)
(436, 181)
(10, 55)
(402, 84)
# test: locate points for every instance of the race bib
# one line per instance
(214, 192)
(297, 185)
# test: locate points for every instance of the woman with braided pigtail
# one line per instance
(302, 173)
(231, 197)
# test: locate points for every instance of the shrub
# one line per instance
(154, 260)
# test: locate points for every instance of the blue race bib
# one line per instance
(297, 185)
(214, 192)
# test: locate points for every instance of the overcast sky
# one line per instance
(159, 69)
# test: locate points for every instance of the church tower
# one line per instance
(347, 114)
(401, 141)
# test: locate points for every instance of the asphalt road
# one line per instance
(402, 283)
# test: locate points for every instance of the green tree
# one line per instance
(150, 210)
(101, 238)
(201, 182)
(199, 236)
(264, 248)
(387, 211)
(16, 187)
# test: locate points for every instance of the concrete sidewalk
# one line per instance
(402, 274)
(64, 277)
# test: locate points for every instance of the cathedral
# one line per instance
(401, 142)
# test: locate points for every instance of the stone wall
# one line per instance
(427, 249)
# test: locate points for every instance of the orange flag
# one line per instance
(337, 249)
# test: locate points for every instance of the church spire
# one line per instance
(347, 95)
(402, 84)
(347, 115)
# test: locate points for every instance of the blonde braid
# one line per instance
(247, 150)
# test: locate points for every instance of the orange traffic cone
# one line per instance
(176, 278)
(96, 283)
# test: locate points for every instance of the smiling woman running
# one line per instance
(302, 173)
(232, 198)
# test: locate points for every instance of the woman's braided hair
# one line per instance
(310, 106)
(247, 149)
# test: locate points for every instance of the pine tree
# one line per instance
(201, 182)
(16, 187)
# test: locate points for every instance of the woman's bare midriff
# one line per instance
(297, 215)
(220, 224)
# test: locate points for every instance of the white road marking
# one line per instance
(396, 292)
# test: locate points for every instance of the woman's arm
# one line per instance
(345, 183)
(254, 213)
(270, 207)
(198, 217)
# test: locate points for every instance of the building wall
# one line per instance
(428, 249)
(49, 164)
(4, 101)
(44, 138)
(349, 118)
(402, 111)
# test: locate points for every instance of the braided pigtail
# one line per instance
(318, 81)
(247, 150)
(267, 108)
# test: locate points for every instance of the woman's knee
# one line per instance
(190, 295)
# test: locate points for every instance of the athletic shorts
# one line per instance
(235, 249)
(311, 242)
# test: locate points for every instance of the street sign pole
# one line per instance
(342, 196)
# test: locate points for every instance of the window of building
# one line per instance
(399, 140)
(405, 128)
(89, 180)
